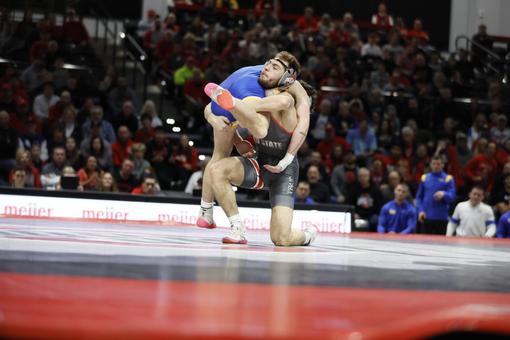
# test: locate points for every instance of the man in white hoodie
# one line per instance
(472, 218)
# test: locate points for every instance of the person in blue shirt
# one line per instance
(435, 194)
(398, 215)
(302, 194)
(503, 230)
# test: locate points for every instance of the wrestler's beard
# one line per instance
(268, 84)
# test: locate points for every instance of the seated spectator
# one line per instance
(150, 108)
(100, 149)
(73, 155)
(146, 132)
(382, 19)
(307, 23)
(90, 174)
(336, 157)
(462, 147)
(139, 161)
(153, 35)
(8, 147)
(158, 153)
(126, 117)
(319, 191)
(56, 111)
(148, 187)
(195, 180)
(107, 183)
(362, 140)
(195, 98)
(68, 171)
(398, 215)
(44, 101)
(18, 178)
(185, 159)
(147, 23)
(348, 24)
(388, 189)
(418, 33)
(302, 194)
(35, 155)
(477, 130)
(69, 125)
(124, 177)
(32, 175)
(51, 172)
(105, 129)
(500, 133)
(121, 149)
(372, 48)
(504, 226)
(472, 218)
(343, 176)
(501, 197)
(121, 93)
(366, 199)
(326, 145)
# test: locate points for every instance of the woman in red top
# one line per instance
(32, 175)
(90, 174)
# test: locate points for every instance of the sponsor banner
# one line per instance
(164, 213)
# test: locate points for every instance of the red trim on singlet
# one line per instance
(280, 125)
(260, 183)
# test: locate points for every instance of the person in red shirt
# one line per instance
(185, 157)
(148, 187)
(164, 47)
(90, 174)
(121, 149)
(73, 29)
(325, 146)
(307, 23)
(418, 32)
(146, 132)
(32, 176)
(482, 169)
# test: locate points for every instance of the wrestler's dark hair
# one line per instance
(311, 92)
(290, 60)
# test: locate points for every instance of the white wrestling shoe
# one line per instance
(205, 218)
(220, 96)
(237, 235)
(310, 233)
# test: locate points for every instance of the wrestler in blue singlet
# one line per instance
(241, 84)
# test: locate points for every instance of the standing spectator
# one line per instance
(124, 177)
(51, 172)
(44, 101)
(398, 215)
(366, 198)
(504, 226)
(382, 19)
(472, 217)
(8, 146)
(121, 149)
(90, 174)
(302, 194)
(435, 194)
(319, 191)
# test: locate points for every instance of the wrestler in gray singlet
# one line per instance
(270, 150)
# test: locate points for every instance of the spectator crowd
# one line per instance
(386, 136)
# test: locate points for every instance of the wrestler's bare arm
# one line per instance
(303, 115)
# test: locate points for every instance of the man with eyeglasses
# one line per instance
(248, 84)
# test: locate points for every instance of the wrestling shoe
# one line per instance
(310, 233)
(220, 96)
(205, 218)
(237, 235)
